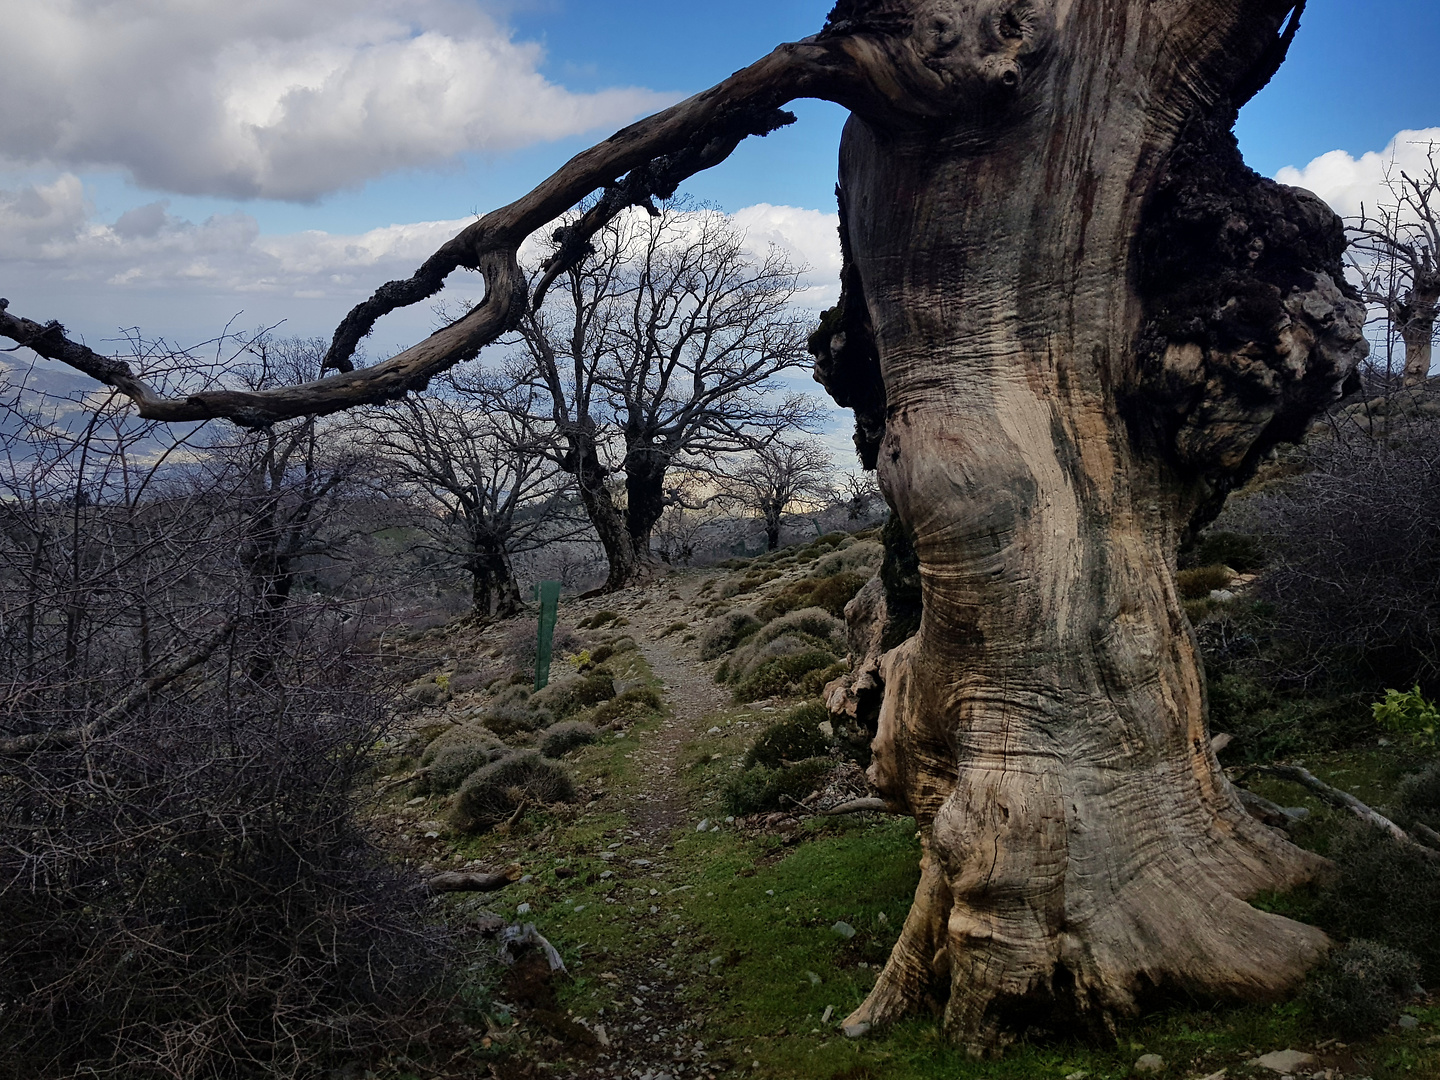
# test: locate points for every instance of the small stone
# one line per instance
(730, 820)
(814, 979)
(1150, 1063)
(522, 909)
(1409, 1023)
(654, 910)
(713, 731)
(769, 892)
(855, 1031)
(829, 1012)
(415, 801)
(704, 825)
(606, 874)
(1284, 1061)
(432, 835)
(846, 931)
(526, 879)
(1080, 1075)
(1224, 596)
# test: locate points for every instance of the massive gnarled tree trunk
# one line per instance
(1087, 319)
(1071, 321)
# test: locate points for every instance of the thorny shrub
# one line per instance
(1355, 544)
(190, 896)
(1359, 990)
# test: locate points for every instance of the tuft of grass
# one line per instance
(1199, 583)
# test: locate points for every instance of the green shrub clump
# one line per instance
(830, 594)
(493, 793)
(759, 789)
(599, 619)
(566, 697)
(561, 738)
(795, 738)
(508, 720)
(454, 756)
(633, 704)
(1409, 716)
(727, 632)
(1384, 893)
(1359, 991)
(778, 675)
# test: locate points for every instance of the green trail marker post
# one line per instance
(548, 593)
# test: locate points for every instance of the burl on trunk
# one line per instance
(1072, 320)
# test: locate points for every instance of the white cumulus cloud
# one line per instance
(274, 98)
(1346, 182)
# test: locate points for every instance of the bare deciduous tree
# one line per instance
(774, 478)
(662, 346)
(483, 460)
(1396, 252)
(1071, 321)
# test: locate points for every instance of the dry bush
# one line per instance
(1355, 543)
(561, 738)
(189, 896)
(1359, 990)
(1199, 583)
(491, 795)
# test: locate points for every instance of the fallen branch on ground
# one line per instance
(459, 881)
(857, 806)
(1343, 800)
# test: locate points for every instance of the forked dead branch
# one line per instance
(1072, 321)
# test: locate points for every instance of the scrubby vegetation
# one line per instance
(565, 736)
(494, 793)
(1360, 988)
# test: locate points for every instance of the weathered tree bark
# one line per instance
(1416, 316)
(1071, 321)
(1088, 319)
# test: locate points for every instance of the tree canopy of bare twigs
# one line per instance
(1395, 251)
(479, 454)
(659, 350)
(775, 478)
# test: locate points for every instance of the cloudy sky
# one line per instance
(173, 164)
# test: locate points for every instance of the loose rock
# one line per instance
(1284, 1061)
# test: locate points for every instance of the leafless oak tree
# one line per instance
(482, 458)
(1396, 251)
(1071, 321)
(661, 346)
(774, 478)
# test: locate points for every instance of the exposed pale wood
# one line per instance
(458, 881)
(857, 806)
(1343, 800)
